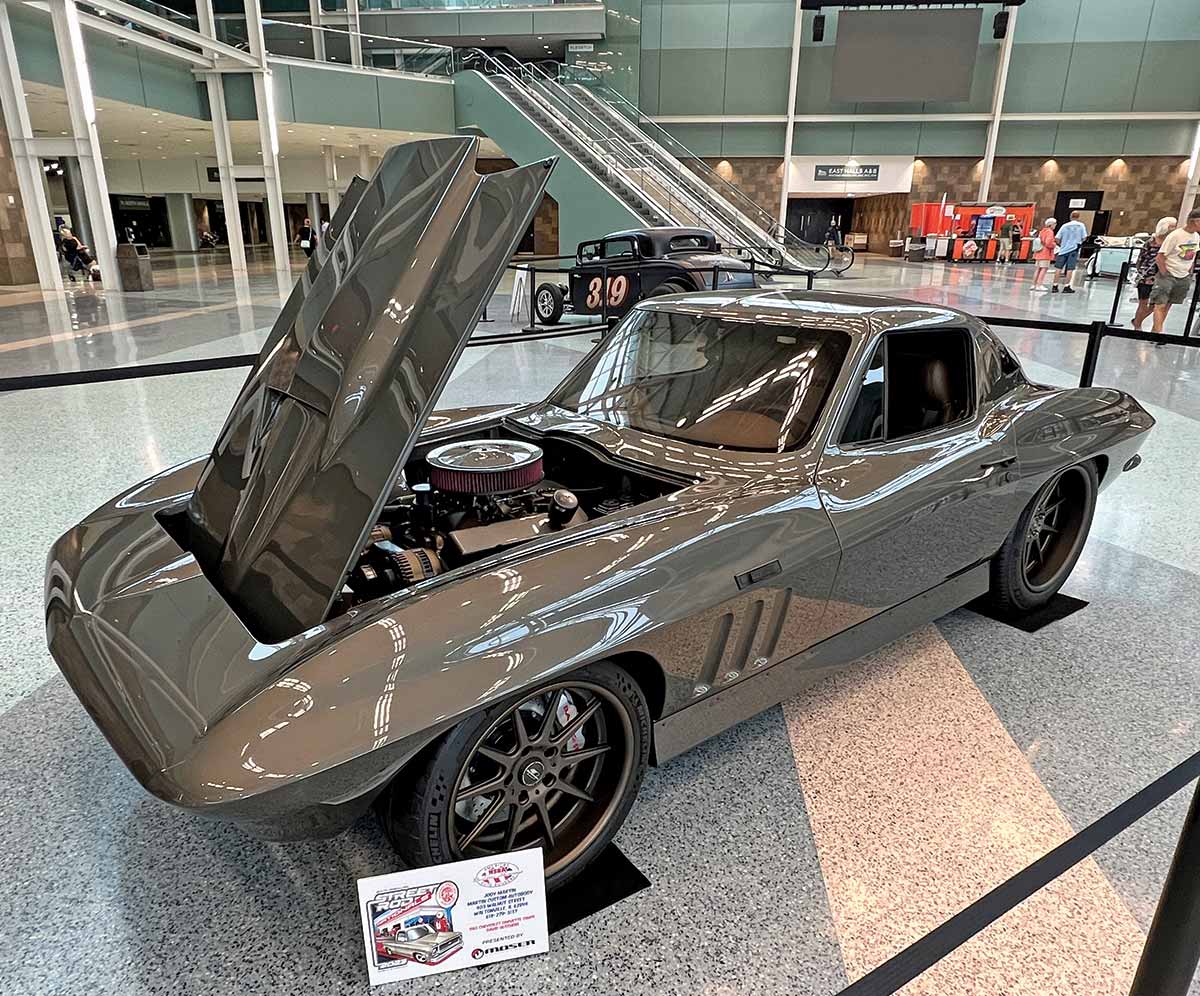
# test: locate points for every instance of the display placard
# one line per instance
(428, 920)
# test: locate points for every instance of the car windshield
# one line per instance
(741, 385)
(417, 932)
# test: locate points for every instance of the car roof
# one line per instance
(662, 231)
(858, 314)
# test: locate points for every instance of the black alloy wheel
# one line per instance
(1040, 553)
(556, 769)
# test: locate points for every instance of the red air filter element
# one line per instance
(485, 466)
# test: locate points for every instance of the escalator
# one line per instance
(655, 179)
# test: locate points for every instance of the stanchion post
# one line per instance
(1112, 315)
(1092, 355)
(1173, 945)
(532, 295)
(604, 294)
(1191, 315)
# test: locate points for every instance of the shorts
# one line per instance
(1143, 291)
(1169, 290)
(1042, 264)
(1067, 261)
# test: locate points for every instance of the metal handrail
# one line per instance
(737, 201)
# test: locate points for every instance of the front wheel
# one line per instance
(557, 769)
(1041, 551)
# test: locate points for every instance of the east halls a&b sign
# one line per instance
(857, 171)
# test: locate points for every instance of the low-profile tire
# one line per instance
(1041, 551)
(548, 304)
(488, 787)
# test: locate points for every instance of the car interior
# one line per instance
(915, 382)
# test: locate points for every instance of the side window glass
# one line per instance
(929, 376)
(866, 418)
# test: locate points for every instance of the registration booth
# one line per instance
(957, 224)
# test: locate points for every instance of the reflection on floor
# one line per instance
(787, 856)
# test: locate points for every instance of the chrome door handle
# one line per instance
(989, 467)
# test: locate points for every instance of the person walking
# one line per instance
(1176, 261)
(307, 238)
(1145, 269)
(1014, 252)
(1045, 255)
(69, 247)
(1005, 236)
(1066, 254)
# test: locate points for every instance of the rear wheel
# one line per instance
(1040, 553)
(668, 287)
(557, 769)
(548, 304)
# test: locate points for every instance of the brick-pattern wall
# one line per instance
(760, 177)
(1145, 188)
(881, 218)
(16, 254)
(545, 222)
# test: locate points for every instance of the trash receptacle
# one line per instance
(133, 263)
(916, 252)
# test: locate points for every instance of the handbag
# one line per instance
(304, 243)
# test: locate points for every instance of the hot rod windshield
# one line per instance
(731, 384)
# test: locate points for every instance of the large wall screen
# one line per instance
(905, 55)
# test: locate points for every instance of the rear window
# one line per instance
(688, 242)
(712, 381)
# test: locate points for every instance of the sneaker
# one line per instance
(1068, 290)
(1054, 289)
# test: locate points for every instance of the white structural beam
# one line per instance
(932, 116)
(993, 132)
(356, 52)
(81, 110)
(202, 39)
(143, 40)
(786, 179)
(224, 149)
(25, 160)
(331, 179)
(364, 162)
(1191, 189)
(318, 34)
(268, 135)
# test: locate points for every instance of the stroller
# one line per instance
(81, 261)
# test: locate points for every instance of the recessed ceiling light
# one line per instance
(62, 132)
(145, 133)
(187, 139)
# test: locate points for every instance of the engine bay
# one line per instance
(468, 499)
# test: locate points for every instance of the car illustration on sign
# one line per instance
(485, 623)
(420, 943)
(612, 274)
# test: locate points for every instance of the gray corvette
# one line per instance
(485, 623)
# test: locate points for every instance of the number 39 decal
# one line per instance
(618, 287)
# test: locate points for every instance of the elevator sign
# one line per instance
(856, 171)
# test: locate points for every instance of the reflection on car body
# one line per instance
(487, 623)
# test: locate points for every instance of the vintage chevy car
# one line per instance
(612, 274)
(485, 623)
(420, 942)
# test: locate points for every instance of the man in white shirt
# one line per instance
(1176, 262)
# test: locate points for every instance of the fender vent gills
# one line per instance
(783, 602)
(749, 629)
(716, 649)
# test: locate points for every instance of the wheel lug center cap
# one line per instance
(533, 772)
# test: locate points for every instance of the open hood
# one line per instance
(333, 405)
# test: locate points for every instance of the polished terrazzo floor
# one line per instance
(788, 856)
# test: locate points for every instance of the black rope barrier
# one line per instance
(923, 954)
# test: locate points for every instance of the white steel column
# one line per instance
(268, 136)
(797, 32)
(318, 33)
(993, 133)
(331, 179)
(220, 123)
(355, 25)
(28, 166)
(1191, 188)
(81, 109)
(364, 162)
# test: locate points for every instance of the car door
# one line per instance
(919, 474)
(606, 279)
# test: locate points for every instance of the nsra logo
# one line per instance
(447, 894)
(496, 874)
